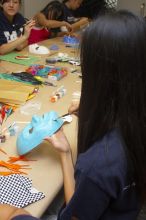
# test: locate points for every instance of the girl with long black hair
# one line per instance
(108, 181)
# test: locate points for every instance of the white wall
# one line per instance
(31, 7)
(132, 5)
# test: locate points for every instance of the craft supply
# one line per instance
(51, 60)
(37, 130)
(2, 138)
(2, 116)
(68, 45)
(63, 57)
(26, 77)
(64, 115)
(49, 84)
(73, 62)
(14, 93)
(3, 113)
(9, 131)
(19, 158)
(71, 41)
(11, 57)
(47, 71)
(6, 133)
(46, 83)
(73, 70)
(12, 166)
(38, 70)
(68, 114)
(59, 93)
(7, 128)
(17, 190)
(22, 58)
(3, 151)
(57, 73)
(67, 118)
(30, 108)
(8, 113)
(14, 130)
(37, 49)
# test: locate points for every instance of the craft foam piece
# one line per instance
(39, 128)
(54, 47)
(70, 40)
(11, 57)
(36, 49)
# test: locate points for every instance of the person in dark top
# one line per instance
(69, 7)
(91, 8)
(49, 22)
(13, 34)
(108, 181)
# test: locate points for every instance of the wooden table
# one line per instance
(46, 173)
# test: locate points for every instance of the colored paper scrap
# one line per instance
(11, 57)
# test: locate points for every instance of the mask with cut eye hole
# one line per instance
(39, 128)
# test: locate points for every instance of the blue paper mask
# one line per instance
(39, 128)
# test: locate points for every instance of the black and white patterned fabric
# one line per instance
(111, 3)
(17, 190)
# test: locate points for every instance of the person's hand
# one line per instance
(68, 26)
(59, 141)
(74, 106)
(85, 20)
(7, 212)
(28, 26)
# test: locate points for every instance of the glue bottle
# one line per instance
(58, 94)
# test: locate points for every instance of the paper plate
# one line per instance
(39, 128)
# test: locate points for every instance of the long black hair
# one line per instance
(56, 10)
(4, 1)
(91, 8)
(113, 95)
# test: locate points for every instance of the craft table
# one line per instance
(46, 173)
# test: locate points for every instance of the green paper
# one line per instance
(11, 78)
(10, 57)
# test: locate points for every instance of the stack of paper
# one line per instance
(14, 93)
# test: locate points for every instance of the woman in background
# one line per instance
(14, 31)
(48, 23)
(77, 22)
